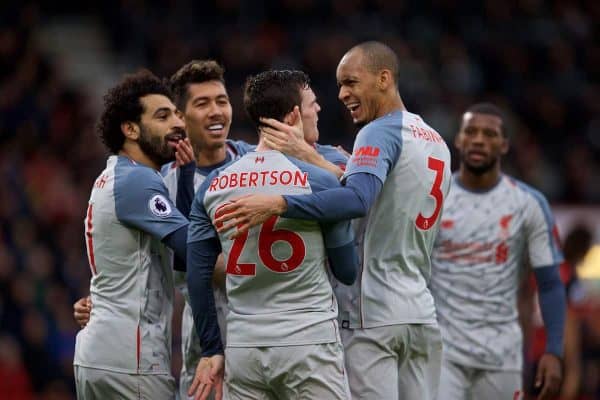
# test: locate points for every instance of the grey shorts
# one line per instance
(304, 372)
(100, 384)
(395, 362)
(459, 382)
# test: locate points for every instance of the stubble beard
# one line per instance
(155, 148)
(479, 170)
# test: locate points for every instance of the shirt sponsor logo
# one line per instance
(468, 252)
(159, 206)
(366, 156)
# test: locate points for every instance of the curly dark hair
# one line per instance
(196, 71)
(273, 94)
(122, 103)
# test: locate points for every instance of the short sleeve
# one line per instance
(142, 201)
(541, 231)
(376, 150)
(201, 227)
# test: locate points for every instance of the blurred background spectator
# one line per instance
(539, 60)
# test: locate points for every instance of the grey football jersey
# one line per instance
(129, 213)
(277, 284)
(478, 258)
(397, 235)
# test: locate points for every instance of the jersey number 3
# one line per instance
(426, 223)
(266, 239)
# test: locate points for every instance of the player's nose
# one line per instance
(478, 137)
(214, 109)
(343, 93)
(178, 121)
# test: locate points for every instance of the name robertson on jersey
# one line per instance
(256, 179)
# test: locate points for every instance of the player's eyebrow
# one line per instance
(161, 110)
(220, 96)
(347, 79)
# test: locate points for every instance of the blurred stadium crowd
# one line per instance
(539, 60)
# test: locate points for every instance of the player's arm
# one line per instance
(551, 296)
(310, 155)
(183, 200)
(375, 154)
(142, 202)
(545, 257)
(202, 256)
(202, 253)
(341, 203)
(185, 188)
(341, 251)
(353, 200)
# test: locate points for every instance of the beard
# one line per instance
(155, 147)
(480, 169)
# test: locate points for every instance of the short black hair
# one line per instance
(273, 94)
(378, 56)
(122, 103)
(196, 71)
(489, 109)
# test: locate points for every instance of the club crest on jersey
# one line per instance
(159, 206)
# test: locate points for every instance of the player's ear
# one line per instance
(505, 145)
(291, 118)
(457, 138)
(385, 79)
(131, 130)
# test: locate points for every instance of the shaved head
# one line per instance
(377, 56)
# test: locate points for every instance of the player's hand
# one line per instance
(248, 211)
(209, 376)
(548, 377)
(184, 153)
(81, 311)
(288, 139)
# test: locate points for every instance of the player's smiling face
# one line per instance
(160, 128)
(207, 114)
(481, 142)
(358, 88)
(310, 115)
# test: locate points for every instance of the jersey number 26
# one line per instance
(266, 239)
